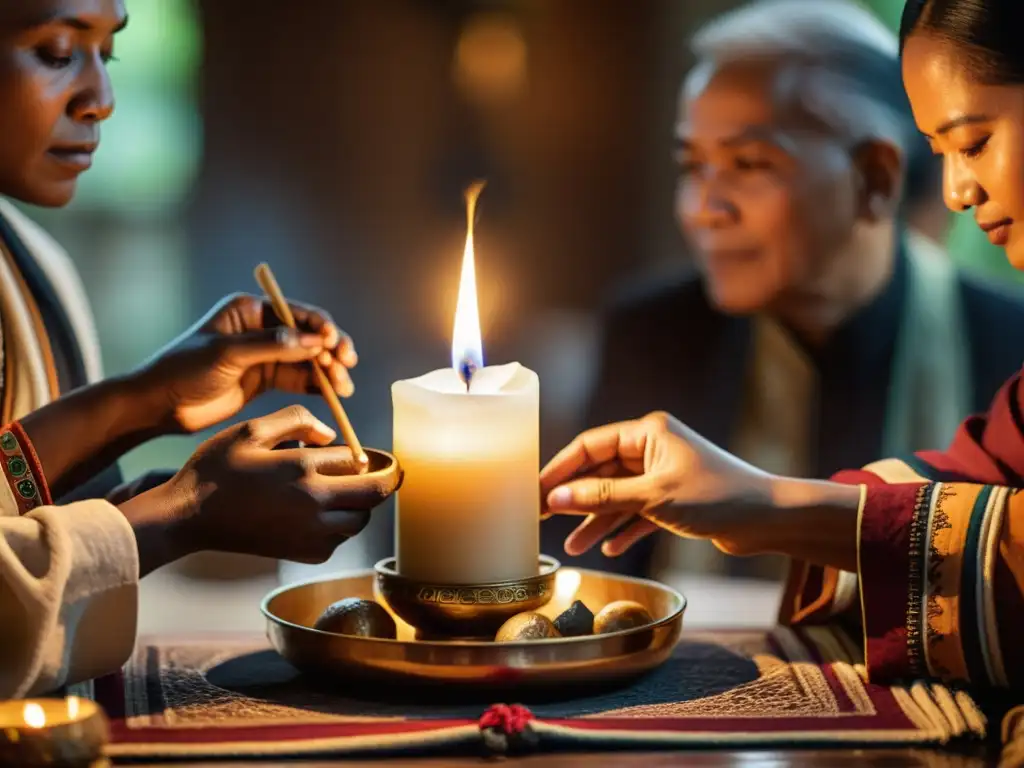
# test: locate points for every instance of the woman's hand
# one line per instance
(237, 494)
(655, 472)
(237, 351)
(650, 473)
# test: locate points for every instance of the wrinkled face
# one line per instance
(54, 92)
(766, 197)
(979, 131)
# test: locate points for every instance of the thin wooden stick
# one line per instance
(265, 278)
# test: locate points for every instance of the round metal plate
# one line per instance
(541, 664)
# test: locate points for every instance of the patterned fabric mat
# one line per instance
(787, 687)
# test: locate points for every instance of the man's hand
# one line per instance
(238, 351)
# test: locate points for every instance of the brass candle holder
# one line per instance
(463, 611)
(52, 732)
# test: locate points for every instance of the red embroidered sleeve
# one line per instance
(940, 557)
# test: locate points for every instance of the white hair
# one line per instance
(850, 57)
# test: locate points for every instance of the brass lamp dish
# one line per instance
(69, 732)
(446, 611)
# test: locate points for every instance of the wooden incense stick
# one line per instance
(268, 283)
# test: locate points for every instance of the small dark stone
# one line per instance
(575, 621)
(362, 618)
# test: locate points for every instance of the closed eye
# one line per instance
(975, 149)
(52, 59)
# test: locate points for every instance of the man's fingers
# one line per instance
(623, 441)
(346, 350)
(292, 423)
(274, 345)
(340, 379)
(309, 318)
(626, 538)
(326, 460)
(315, 320)
(593, 530)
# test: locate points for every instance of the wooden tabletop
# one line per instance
(890, 758)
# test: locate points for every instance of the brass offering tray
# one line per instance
(560, 664)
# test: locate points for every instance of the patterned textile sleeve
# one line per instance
(68, 580)
(940, 558)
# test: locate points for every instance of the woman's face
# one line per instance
(979, 131)
(54, 92)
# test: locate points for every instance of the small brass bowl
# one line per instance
(463, 610)
(386, 466)
(385, 473)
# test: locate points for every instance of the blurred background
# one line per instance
(333, 139)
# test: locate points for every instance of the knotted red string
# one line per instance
(510, 718)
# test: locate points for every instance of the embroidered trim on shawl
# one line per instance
(936, 559)
(948, 533)
(22, 469)
(954, 646)
(915, 593)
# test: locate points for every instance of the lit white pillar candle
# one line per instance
(468, 441)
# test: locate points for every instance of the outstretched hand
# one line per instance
(631, 478)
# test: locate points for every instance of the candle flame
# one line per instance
(34, 715)
(73, 705)
(467, 346)
(567, 584)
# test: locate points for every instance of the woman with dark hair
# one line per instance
(69, 573)
(926, 552)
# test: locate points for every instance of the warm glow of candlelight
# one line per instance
(73, 702)
(567, 584)
(34, 715)
(566, 587)
(467, 346)
(490, 63)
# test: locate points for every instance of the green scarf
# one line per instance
(930, 390)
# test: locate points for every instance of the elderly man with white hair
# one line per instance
(819, 331)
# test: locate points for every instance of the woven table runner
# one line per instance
(238, 698)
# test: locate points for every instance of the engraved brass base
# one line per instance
(463, 611)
